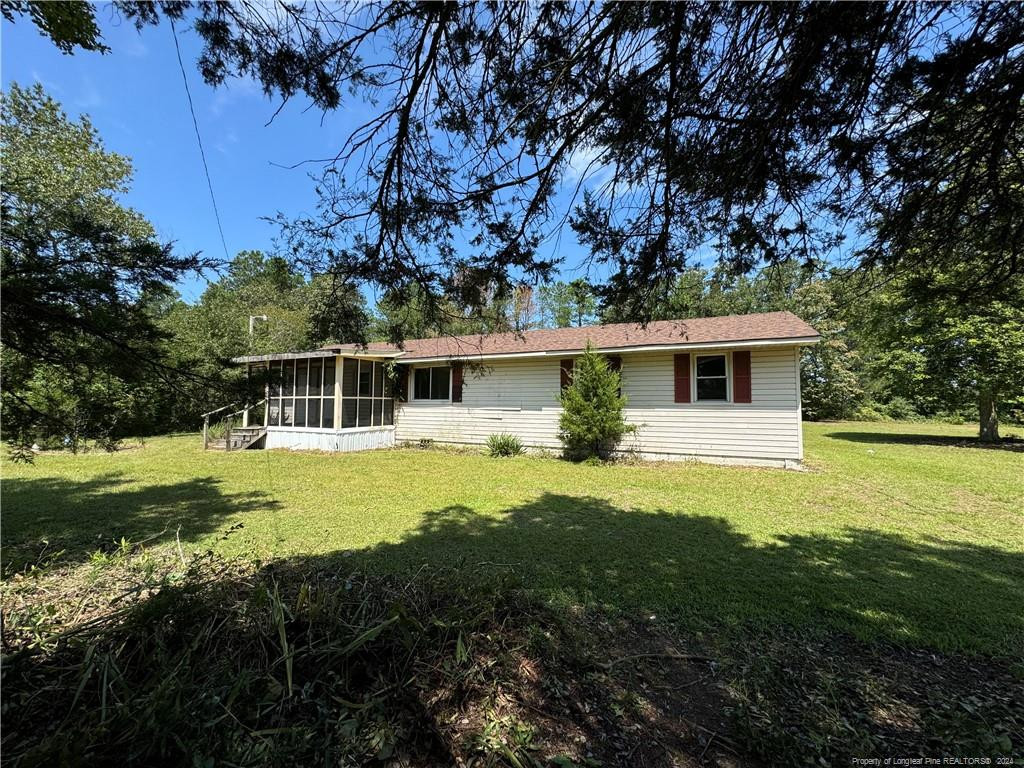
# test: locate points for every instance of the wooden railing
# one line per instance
(227, 433)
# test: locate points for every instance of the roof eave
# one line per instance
(412, 358)
(315, 353)
(787, 342)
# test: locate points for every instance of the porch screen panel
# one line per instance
(378, 380)
(365, 378)
(315, 378)
(350, 372)
(327, 409)
(274, 394)
(301, 393)
(288, 392)
(365, 394)
(256, 415)
(288, 379)
(348, 412)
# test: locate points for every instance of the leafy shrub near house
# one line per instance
(504, 444)
(592, 422)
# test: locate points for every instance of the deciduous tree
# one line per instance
(78, 271)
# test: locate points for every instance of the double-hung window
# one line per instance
(432, 383)
(712, 378)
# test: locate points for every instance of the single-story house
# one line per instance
(719, 389)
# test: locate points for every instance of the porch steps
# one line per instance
(242, 438)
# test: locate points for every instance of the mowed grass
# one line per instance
(899, 532)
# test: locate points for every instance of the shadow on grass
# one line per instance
(899, 438)
(699, 569)
(80, 516)
(422, 671)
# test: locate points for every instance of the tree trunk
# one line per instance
(988, 430)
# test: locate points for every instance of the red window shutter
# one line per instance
(682, 377)
(566, 373)
(456, 382)
(741, 377)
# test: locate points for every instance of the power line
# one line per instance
(199, 139)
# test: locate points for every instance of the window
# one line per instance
(712, 382)
(421, 384)
(365, 394)
(297, 390)
(432, 383)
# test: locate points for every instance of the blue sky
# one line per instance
(135, 98)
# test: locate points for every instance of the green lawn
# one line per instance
(905, 532)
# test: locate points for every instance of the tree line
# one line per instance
(772, 135)
(97, 344)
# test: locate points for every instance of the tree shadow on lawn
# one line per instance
(839, 644)
(699, 569)
(818, 645)
(956, 441)
(78, 517)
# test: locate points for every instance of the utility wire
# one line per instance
(199, 139)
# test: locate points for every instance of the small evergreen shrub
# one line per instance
(504, 444)
(592, 422)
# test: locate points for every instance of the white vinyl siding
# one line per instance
(520, 396)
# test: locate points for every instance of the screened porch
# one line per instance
(326, 401)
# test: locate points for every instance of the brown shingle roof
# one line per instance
(768, 326)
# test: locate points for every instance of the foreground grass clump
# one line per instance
(219, 662)
(226, 663)
(209, 662)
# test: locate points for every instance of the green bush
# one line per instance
(504, 444)
(592, 422)
(954, 416)
(901, 409)
(870, 411)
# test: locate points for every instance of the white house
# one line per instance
(720, 389)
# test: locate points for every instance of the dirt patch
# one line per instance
(836, 697)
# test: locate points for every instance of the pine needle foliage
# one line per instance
(592, 422)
